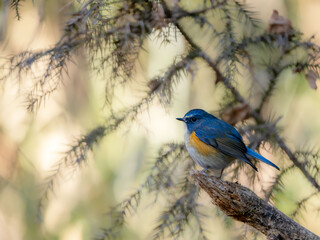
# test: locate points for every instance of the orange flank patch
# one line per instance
(203, 148)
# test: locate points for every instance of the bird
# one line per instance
(214, 144)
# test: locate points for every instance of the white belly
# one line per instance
(219, 161)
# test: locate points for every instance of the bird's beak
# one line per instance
(180, 119)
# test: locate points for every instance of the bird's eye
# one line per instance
(193, 119)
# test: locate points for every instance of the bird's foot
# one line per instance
(203, 171)
(221, 173)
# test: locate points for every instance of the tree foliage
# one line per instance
(112, 34)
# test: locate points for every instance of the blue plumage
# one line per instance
(261, 158)
(219, 135)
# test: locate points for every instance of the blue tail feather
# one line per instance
(258, 156)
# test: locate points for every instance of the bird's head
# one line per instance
(195, 118)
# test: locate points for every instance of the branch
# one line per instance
(256, 115)
(245, 206)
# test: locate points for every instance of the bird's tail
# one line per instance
(258, 156)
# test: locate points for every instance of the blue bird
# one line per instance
(214, 144)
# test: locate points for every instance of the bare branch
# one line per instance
(245, 206)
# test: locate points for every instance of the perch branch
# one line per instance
(243, 205)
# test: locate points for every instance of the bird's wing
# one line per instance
(226, 139)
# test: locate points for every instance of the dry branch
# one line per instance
(243, 205)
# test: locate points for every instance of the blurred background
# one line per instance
(31, 143)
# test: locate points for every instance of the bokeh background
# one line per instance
(31, 143)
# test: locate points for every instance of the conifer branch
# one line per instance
(256, 115)
(112, 35)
